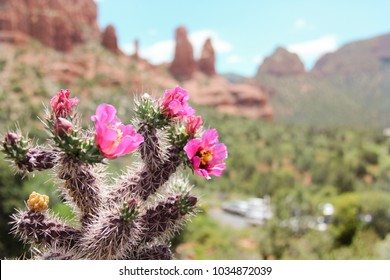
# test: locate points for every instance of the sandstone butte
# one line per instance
(282, 63)
(60, 25)
(183, 65)
(207, 59)
(109, 39)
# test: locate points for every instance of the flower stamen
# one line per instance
(119, 137)
(205, 156)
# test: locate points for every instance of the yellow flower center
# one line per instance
(205, 156)
(37, 202)
(119, 137)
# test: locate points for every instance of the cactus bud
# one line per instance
(193, 124)
(146, 96)
(61, 105)
(38, 202)
(186, 204)
(132, 203)
(62, 127)
(192, 200)
(129, 210)
(11, 138)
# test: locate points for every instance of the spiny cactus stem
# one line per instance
(39, 228)
(155, 252)
(110, 238)
(36, 159)
(164, 219)
(82, 186)
(150, 149)
(146, 183)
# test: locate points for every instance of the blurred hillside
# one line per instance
(349, 87)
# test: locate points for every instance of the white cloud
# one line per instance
(159, 52)
(163, 51)
(127, 48)
(258, 59)
(198, 38)
(234, 59)
(311, 50)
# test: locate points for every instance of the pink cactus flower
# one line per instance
(174, 103)
(193, 124)
(113, 138)
(207, 155)
(61, 105)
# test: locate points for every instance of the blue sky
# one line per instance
(244, 32)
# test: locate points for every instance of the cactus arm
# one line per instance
(41, 228)
(82, 187)
(167, 217)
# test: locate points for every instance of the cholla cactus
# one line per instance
(135, 217)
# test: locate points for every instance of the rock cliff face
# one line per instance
(109, 39)
(207, 59)
(282, 63)
(58, 24)
(365, 56)
(183, 65)
(243, 99)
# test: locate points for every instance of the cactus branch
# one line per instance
(166, 217)
(27, 158)
(40, 228)
(82, 186)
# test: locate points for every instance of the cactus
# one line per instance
(135, 216)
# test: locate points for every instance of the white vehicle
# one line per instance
(255, 210)
(238, 207)
(259, 210)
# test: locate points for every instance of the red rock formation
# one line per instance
(58, 24)
(282, 63)
(109, 39)
(183, 65)
(207, 59)
(243, 99)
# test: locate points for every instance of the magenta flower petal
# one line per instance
(220, 153)
(196, 161)
(106, 113)
(203, 172)
(112, 137)
(192, 147)
(174, 103)
(217, 169)
(206, 154)
(130, 141)
(210, 136)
